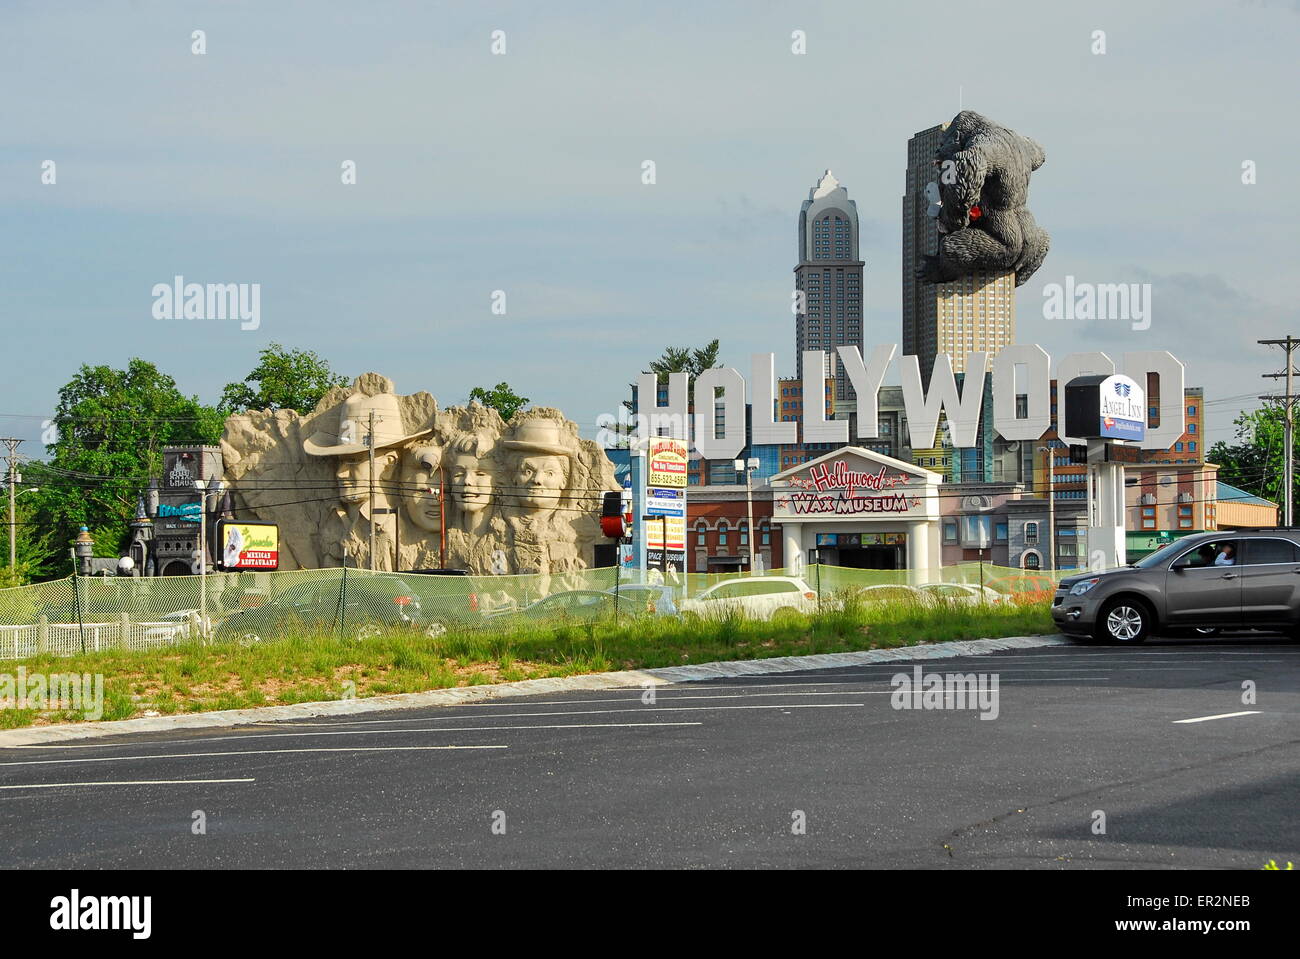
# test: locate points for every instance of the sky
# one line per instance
(522, 172)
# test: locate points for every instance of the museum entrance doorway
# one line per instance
(873, 557)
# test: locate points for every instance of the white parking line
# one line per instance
(245, 752)
(133, 782)
(359, 732)
(1206, 719)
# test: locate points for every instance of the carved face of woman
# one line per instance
(541, 480)
(423, 497)
(470, 482)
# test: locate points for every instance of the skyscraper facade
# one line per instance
(828, 279)
(974, 313)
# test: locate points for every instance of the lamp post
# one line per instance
(1051, 508)
(748, 467)
(13, 517)
(203, 486)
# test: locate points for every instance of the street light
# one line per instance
(748, 467)
(203, 486)
(13, 517)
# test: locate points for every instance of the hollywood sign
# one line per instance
(1019, 370)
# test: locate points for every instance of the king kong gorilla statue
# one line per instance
(983, 184)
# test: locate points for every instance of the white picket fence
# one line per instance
(65, 639)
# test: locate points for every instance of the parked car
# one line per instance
(174, 627)
(449, 598)
(569, 606)
(1201, 583)
(963, 594)
(1027, 588)
(650, 599)
(760, 597)
(890, 593)
(373, 604)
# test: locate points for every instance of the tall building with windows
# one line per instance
(974, 313)
(828, 279)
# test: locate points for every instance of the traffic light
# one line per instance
(1078, 454)
(612, 523)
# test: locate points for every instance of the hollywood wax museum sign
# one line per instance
(836, 488)
(1021, 369)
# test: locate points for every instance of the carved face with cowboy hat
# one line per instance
(352, 443)
(542, 469)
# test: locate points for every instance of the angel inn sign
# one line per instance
(856, 499)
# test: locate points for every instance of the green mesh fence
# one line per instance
(90, 614)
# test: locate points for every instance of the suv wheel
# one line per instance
(435, 630)
(248, 640)
(1124, 621)
(368, 631)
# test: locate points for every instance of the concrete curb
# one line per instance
(529, 687)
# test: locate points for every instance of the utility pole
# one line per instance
(1288, 410)
(747, 466)
(12, 443)
(370, 441)
(1051, 507)
(202, 486)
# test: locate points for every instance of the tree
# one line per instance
(680, 359)
(501, 398)
(112, 425)
(285, 380)
(1256, 461)
(34, 546)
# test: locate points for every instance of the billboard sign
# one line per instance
(668, 459)
(1123, 409)
(665, 502)
(1106, 407)
(248, 545)
(173, 515)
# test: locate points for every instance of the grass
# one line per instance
(307, 667)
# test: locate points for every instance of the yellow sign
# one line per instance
(673, 526)
(668, 459)
(249, 545)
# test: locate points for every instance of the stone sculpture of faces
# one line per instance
(469, 472)
(421, 488)
(542, 466)
(353, 473)
(541, 479)
(351, 441)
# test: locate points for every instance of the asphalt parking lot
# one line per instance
(1156, 739)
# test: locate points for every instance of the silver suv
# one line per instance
(1205, 582)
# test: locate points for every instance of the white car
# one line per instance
(962, 594)
(891, 593)
(759, 597)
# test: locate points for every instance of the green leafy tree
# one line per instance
(501, 398)
(681, 359)
(111, 427)
(34, 548)
(282, 380)
(1254, 460)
